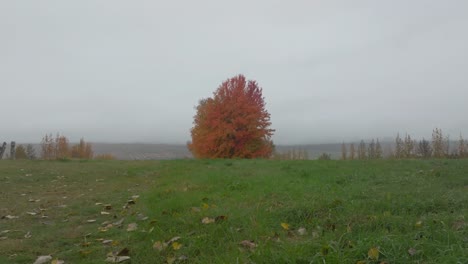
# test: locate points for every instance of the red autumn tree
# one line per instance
(233, 123)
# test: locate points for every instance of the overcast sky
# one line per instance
(132, 71)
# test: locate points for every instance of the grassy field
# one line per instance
(235, 211)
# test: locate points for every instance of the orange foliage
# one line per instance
(82, 150)
(232, 124)
(62, 148)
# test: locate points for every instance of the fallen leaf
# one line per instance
(103, 229)
(98, 203)
(458, 225)
(132, 227)
(285, 226)
(4, 232)
(302, 231)
(85, 244)
(117, 259)
(31, 213)
(248, 244)
(196, 209)
(10, 217)
(42, 259)
(412, 251)
(3, 238)
(373, 253)
(174, 239)
(28, 235)
(183, 258)
(176, 245)
(207, 220)
(108, 206)
(418, 224)
(119, 223)
(205, 206)
(91, 221)
(142, 217)
(160, 246)
(105, 213)
(108, 241)
(135, 197)
(170, 260)
(57, 261)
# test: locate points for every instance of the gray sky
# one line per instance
(126, 71)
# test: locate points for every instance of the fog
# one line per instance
(331, 71)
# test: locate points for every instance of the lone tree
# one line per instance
(233, 123)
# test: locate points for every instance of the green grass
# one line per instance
(346, 208)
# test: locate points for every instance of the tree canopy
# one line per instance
(233, 123)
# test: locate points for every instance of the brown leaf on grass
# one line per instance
(142, 217)
(107, 241)
(42, 259)
(302, 231)
(108, 207)
(249, 244)
(57, 261)
(373, 253)
(91, 221)
(9, 217)
(174, 239)
(207, 220)
(119, 223)
(412, 251)
(132, 227)
(160, 246)
(117, 259)
(458, 225)
(285, 226)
